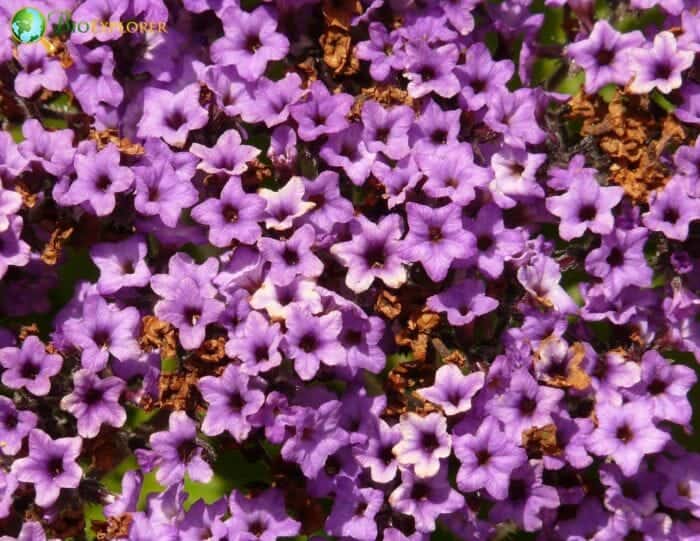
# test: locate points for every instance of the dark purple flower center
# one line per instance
(176, 120)
(290, 256)
(257, 527)
(186, 450)
(615, 258)
(683, 489)
(319, 118)
(482, 457)
(435, 234)
(307, 433)
(361, 508)
(318, 199)
(375, 256)
(604, 57)
(630, 490)
(230, 213)
(429, 441)
(101, 338)
(92, 396)
(95, 70)
(235, 401)
(634, 535)
(517, 490)
(657, 387)
(260, 353)
(332, 466)
(663, 71)
(153, 193)
(587, 213)
(427, 73)
(624, 434)
(103, 182)
(439, 136)
(128, 267)
(54, 466)
(527, 405)
(308, 343)
(353, 337)
(382, 134)
(420, 491)
(252, 43)
(478, 85)
(484, 242)
(671, 215)
(11, 420)
(192, 314)
(517, 169)
(386, 454)
(29, 370)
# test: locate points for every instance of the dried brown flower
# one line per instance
(541, 440)
(59, 238)
(157, 334)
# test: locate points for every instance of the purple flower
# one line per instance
(234, 215)
(514, 116)
(315, 436)
(14, 252)
(451, 172)
(620, 260)
(122, 264)
(671, 211)
(92, 77)
(322, 113)
(425, 499)
(291, 257)
(273, 98)
(605, 55)
(527, 497)
(379, 51)
(262, 517)
(204, 521)
(8, 485)
(660, 66)
(541, 279)
(379, 456)
(354, 510)
(435, 128)
(94, 402)
(586, 205)
(481, 77)
(50, 466)
(29, 367)
(172, 116)
(10, 203)
(667, 386)
(330, 207)
(487, 460)
(360, 337)
(515, 176)
(348, 150)
(432, 70)
(14, 425)
(101, 330)
(526, 404)
(228, 156)
(453, 391)
(250, 41)
(385, 130)
(424, 441)
(52, 150)
(100, 178)
(463, 302)
(38, 71)
(279, 301)
(626, 433)
(232, 400)
(177, 452)
(190, 311)
(436, 238)
(285, 205)
(373, 252)
(311, 340)
(257, 345)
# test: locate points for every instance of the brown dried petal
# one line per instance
(177, 391)
(541, 440)
(112, 528)
(157, 334)
(387, 305)
(59, 238)
(339, 13)
(125, 146)
(337, 51)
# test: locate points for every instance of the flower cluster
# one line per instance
(355, 269)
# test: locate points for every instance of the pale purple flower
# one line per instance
(29, 366)
(285, 205)
(227, 157)
(463, 302)
(172, 116)
(424, 441)
(453, 391)
(122, 264)
(38, 71)
(14, 425)
(660, 66)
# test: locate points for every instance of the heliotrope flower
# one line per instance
(14, 425)
(14, 252)
(330, 207)
(463, 302)
(379, 455)
(39, 70)
(487, 459)
(515, 176)
(586, 205)
(481, 77)
(291, 257)
(262, 517)
(322, 113)
(514, 115)
(257, 345)
(227, 157)
(354, 510)
(231, 399)
(432, 70)
(627, 433)
(425, 499)
(250, 41)
(453, 391)
(671, 211)
(92, 77)
(285, 205)
(386, 130)
(50, 466)
(94, 402)
(660, 66)
(122, 264)
(233, 215)
(273, 98)
(312, 340)
(373, 252)
(424, 441)
(605, 55)
(436, 238)
(348, 149)
(379, 51)
(29, 367)
(176, 452)
(172, 116)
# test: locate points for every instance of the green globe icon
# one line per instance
(28, 25)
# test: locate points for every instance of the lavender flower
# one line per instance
(29, 367)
